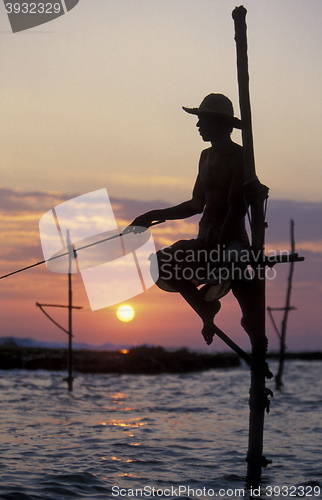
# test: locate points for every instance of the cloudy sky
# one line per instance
(93, 100)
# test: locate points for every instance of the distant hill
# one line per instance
(27, 342)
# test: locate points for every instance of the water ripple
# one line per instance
(157, 431)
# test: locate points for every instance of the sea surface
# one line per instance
(160, 436)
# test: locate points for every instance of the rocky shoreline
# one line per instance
(138, 360)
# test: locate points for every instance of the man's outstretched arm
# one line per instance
(181, 211)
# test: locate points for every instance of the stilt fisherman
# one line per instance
(204, 269)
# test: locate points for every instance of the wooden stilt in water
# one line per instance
(286, 309)
(71, 257)
(70, 334)
(257, 195)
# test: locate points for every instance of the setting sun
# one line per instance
(125, 313)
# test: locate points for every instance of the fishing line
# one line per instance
(76, 250)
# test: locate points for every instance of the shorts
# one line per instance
(200, 262)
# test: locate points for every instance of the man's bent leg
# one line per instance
(173, 277)
(247, 297)
(206, 310)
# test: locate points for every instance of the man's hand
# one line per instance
(140, 224)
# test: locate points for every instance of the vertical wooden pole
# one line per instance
(258, 401)
(278, 378)
(70, 317)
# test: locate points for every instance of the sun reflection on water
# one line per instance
(118, 395)
(118, 399)
(124, 474)
(132, 423)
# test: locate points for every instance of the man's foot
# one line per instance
(249, 329)
(208, 333)
(209, 329)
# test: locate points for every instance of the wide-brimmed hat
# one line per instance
(217, 105)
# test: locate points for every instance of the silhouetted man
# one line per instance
(218, 195)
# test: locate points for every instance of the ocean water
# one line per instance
(160, 436)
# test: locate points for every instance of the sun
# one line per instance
(125, 313)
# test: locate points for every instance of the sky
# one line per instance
(94, 100)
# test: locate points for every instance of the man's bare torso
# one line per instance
(221, 183)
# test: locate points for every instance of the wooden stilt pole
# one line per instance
(257, 195)
(69, 378)
(70, 314)
(286, 309)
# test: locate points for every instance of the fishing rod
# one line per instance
(270, 261)
(78, 249)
